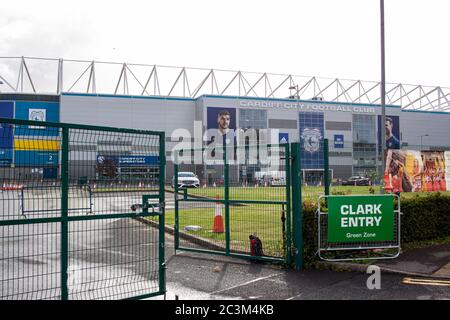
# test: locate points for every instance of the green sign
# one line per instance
(360, 218)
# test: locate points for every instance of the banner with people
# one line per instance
(417, 171)
(447, 168)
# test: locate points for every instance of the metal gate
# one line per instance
(225, 198)
(71, 196)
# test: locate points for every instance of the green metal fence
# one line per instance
(237, 195)
(71, 198)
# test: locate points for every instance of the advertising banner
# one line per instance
(338, 141)
(311, 135)
(395, 178)
(221, 122)
(360, 218)
(434, 171)
(416, 171)
(221, 130)
(447, 168)
(391, 130)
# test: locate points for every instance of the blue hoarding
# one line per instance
(37, 111)
(311, 137)
(338, 141)
(35, 158)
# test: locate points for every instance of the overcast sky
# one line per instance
(325, 38)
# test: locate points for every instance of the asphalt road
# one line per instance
(200, 276)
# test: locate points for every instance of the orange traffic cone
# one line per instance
(218, 220)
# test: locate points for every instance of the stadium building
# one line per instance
(289, 112)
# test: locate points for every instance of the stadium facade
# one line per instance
(351, 128)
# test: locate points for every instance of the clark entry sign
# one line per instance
(360, 218)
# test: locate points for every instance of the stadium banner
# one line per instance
(447, 168)
(221, 130)
(311, 126)
(433, 171)
(416, 171)
(338, 141)
(391, 131)
(395, 178)
(37, 111)
(32, 158)
(221, 122)
(360, 218)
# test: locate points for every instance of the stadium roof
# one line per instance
(54, 76)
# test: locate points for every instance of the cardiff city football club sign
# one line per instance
(360, 218)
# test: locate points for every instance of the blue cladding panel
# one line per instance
(5, 157)
(35, 158)
(6, 132)
(34, 110)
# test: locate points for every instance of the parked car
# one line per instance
(356, 181)
(187, 180)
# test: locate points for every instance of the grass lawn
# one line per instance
(260, 219)
(273, 193)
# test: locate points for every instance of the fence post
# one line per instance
(326, 163)
(287, 154)
(227, 198)
(162, 204)
(64, 212)
(175, 185)
(296, 181)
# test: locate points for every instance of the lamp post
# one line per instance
(383, 94)
(421, 138)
